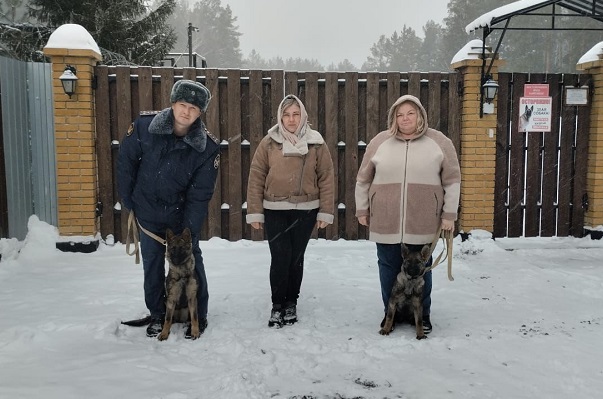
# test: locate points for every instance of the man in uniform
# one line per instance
(167, 169)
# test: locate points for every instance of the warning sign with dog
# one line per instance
(535, 109)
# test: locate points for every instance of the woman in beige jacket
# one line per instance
(408, 186)
(290, 190)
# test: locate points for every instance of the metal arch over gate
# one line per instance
(500, 18)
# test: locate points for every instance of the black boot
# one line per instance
(276, 317)
(155, 327)
(290, 316)
(202, 326)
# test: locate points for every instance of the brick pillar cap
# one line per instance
(592, 58)
(72, 37)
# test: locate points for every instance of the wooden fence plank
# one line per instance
(123, 118)
(372, 105)
(393, 88)
(145, 89)
(580, 165)
(104, 152)
(292, 84)
(454, 112)
(566, 160)
(414, 85)
(501, 184)
(276, 94)
(213, 224)
(517, 165)
(331, 105)
(166, 76)
(433, 104)
(351, 153)
(234, 155)
(548, 214)
(311, 103)
(534, 142)
(256, 132)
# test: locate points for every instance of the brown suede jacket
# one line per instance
(291, 180)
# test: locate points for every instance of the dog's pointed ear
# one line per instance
(186, 234)
(405, 250)
(169, 234)
(425, 252)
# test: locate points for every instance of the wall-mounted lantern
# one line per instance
(69, 80)
(488, 94)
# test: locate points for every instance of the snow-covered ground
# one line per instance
(523, 319)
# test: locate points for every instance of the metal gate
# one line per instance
(541, 176)
(28, 167)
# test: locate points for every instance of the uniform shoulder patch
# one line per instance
(211, 136)
(143, 113)
(130, 129)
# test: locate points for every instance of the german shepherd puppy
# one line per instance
(181, 284)
(407, 292)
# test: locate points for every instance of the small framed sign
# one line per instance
(576, 96)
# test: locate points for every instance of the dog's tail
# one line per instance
(138, 322)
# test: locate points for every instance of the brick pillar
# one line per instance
(75, 130)
(593, 218)
(478, 150)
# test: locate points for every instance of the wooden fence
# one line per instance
(347, 108)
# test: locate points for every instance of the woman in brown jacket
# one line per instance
(290, 190)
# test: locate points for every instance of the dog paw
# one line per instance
(421, 336)
(163, 337)
(384, 332)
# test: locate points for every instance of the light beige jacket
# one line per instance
(407, 187)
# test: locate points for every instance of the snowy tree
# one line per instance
(127, 27)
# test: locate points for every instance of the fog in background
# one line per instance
(327, 30)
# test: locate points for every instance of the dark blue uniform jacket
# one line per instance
(167, 181)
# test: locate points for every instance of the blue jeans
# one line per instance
(153, 262)
(389, 259)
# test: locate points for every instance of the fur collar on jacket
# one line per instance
(163, 123)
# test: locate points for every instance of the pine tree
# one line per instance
(216, 37)
(380, 57)
(430, 55)
(126, 27)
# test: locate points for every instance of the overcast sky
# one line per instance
(327, 30)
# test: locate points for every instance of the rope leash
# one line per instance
(133, 237)
(446, 236)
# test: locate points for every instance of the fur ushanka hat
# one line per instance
(191, 92)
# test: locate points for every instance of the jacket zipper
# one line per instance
(301, 178)
(403, 210)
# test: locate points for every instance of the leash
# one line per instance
(135, 237)
(446, 236)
